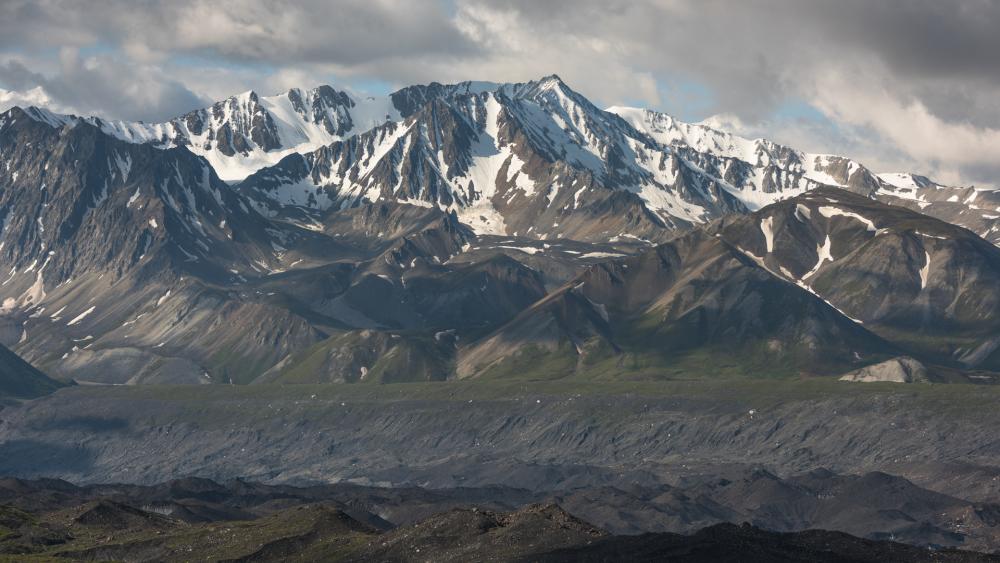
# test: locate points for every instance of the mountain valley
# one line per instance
(486, 320)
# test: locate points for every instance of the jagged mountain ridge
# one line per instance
(764, 172)
(535, 159)
(247, 131)
(427, 145)
(648, 165)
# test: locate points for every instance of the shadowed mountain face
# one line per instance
(77, 201)
(116, 248)
(696, 299)
(20, 380)
(906, 276)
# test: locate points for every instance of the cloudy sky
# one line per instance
(899, 84)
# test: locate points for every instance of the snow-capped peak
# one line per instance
(247, 132)
(668, 130)
(906, 180)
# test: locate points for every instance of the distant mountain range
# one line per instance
(473, 230)
(428, 144)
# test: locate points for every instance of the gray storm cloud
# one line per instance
(912, 82)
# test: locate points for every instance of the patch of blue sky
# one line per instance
(685, 99)
(799, 110)
(370, 86)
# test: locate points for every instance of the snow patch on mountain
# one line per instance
(822, 255)
(81, 316)
(245, 132)
(765, 227)
(829, 211)
(488, 158)
(925, 270)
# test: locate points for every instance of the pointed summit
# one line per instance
(39, 114)
(550, 81)
(249, 95)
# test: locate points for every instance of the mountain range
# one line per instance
(473, 230)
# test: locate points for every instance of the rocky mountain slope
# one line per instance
(20, 380)
(696, 299)
(114, 249)
(683, 174)
(911, 278)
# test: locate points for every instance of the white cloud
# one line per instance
(920, 90)
(106, 85)
(906, 124)
(32, 97)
